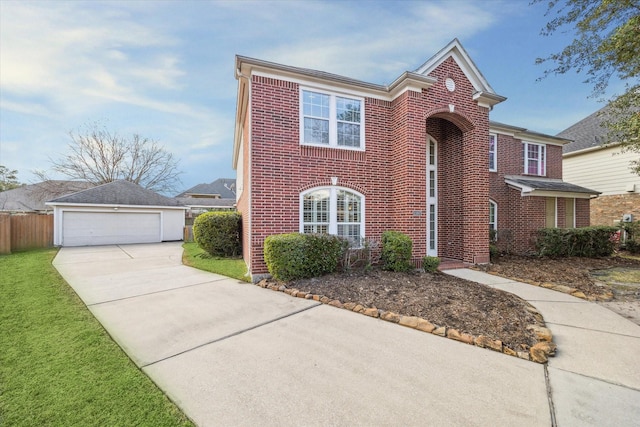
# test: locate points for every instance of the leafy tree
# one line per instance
(99, 156)
(8, 178)
(607, 45)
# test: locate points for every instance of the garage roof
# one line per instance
(119, 192)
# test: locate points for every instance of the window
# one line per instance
(331, 120)
(493, 149)
(534, 159)
(493, 220)
(333, 210)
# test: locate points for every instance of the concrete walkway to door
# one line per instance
(231, 353)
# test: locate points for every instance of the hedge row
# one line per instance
(583, 242)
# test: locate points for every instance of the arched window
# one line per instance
(333, 210)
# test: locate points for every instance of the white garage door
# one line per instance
(109, 228)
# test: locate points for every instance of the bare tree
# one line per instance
(99, 156)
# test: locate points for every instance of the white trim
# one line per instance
(333, 208)
(541, 153)
(495, 215)
(495, 152)
(112, 206)
(432, 201)
(455, 50)
(333, 121)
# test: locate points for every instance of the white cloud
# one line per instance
(61, 51)
(406, 32)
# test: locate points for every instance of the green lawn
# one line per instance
(58, 366)
(195, 257)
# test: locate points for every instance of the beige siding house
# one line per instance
(604, 168)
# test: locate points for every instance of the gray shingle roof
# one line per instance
(206, 202)
(546, 184)
(586, 133)
(32, 197)
(118, 193)
(225, 187)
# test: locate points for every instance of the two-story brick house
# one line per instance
(318, 152)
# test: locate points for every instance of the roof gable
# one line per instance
(119, 192)
(223, 187)
(455, 51)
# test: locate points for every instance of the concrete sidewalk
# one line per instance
(231, 353)
(595, 375)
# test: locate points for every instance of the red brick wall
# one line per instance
(519, 217)
(391, 173)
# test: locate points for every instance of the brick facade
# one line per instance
(391, 172)
(606, 210)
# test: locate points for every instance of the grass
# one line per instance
(58, 366)
(195, 257)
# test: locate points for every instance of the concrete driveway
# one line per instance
(231, 353)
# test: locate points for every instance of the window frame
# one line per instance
(333, 118)
(494, 152)
(495, 218)
(541, 169)
(332, 227)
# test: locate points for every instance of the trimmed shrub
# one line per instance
(582, 242)
(396, 251)
(430, 263)
(294, 256)
(219, 233)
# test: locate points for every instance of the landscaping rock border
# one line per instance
(539, 352)
(607, 296)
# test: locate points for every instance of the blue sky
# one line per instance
(165, 69)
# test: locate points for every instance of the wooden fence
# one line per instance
(25, 231)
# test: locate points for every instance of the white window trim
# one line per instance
(543, 164)
(495, 216)
(495, 153)
(432, 200)
(333, 208)
(333, 121)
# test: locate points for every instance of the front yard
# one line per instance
(58, 366)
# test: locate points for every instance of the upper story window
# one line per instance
(331, 120)
(535, 159)
(493, 149)
(333, 210)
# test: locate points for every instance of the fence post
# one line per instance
(5, 233)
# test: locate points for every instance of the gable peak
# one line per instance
(455, 51)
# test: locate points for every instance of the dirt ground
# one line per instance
(612, 282)
(480, 310)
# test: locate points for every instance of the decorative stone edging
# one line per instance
(607, 296)
(539, 352)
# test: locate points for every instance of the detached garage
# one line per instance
(119, 212)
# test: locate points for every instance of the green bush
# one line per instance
(582, 242)
(298, 256)
(430, 263)
(632, 242)
(396, 251)
(219, 233)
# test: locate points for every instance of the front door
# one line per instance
(432, 197)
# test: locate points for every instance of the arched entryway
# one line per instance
(447, 186)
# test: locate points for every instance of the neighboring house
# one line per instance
(217, 195)
(590, 162)
(119, 212)
(318, 152)
(32, 197)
